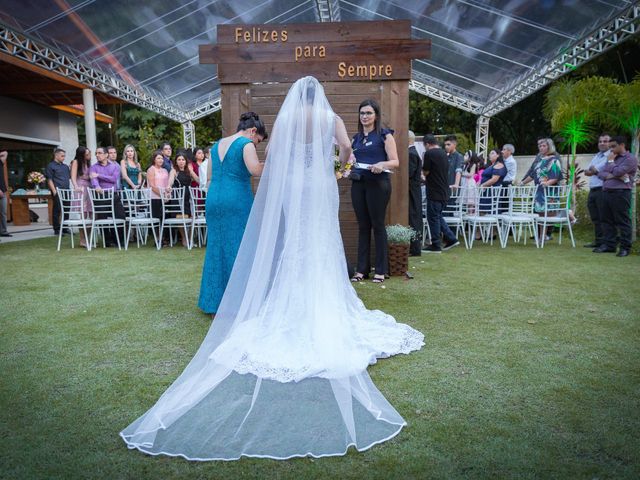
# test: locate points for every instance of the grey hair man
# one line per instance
(512, 167)
(594, 201)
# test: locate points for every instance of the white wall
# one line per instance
(68, 127)
(30, 122)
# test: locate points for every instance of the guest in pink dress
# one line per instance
(157, 178)
(80, 180)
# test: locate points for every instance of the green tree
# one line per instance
(573, 108)
(627, 115)
(430, 116)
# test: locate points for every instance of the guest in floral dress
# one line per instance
(545, 171)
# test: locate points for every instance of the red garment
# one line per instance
(196, 170)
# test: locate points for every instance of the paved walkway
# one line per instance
(28, 232)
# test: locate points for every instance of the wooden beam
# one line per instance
(20, 87)
(373, 50)
(316, 32)
(78, 110)
(39, 70)
(323, 71)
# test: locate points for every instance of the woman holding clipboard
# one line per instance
(376, 153)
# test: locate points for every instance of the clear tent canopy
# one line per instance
(486, 55)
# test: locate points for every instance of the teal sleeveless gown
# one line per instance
(229, 201)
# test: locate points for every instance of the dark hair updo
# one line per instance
(252, 120)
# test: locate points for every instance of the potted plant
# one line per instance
(398, 238)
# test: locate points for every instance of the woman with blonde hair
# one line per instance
(545, 171)
(130, 170)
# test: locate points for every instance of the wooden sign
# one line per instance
(346, 51)
(258, 63)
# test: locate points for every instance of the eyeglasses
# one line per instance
(366, 114)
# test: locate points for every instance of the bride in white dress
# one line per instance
(282, 370)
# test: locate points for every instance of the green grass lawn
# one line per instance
(531, 367)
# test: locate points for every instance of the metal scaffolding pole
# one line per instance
(482, 136)
(189, 134)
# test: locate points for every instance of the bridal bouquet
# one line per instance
(35, 178)
(340, 173)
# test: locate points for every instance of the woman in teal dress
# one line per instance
(130, 171)
(229, 199)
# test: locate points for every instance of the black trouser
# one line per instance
(370, 197)
(415, 217)
(616, 221)
(56, 214)
(503, 205)
(437, 223)
(594, 204)
(118, 211)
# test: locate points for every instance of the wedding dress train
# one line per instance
(282, 370)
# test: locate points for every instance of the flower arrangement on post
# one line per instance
(35, 178)
(398, 238)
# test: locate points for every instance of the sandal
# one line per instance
(357, 277)
(378, 279)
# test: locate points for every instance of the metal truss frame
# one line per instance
(444, 96)
(328, 10)
(26, 49)
(38, 53)
(598, 41)
(482, 135)
(206, 109)
(189, 134)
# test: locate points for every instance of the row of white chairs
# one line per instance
(507, 210)
(138, 215)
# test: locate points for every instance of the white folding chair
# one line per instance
(138, 202)
(520, 218)
(103, 215)
(426, 231)
(198, 217)
(71, 210)
(453, 214)
(556, 212)
(484, 215)
(173, 215)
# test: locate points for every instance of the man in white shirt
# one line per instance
(512, 167)
(594, 201)
(204, 169)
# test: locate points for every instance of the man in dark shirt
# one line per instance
(415, 195)
(617, 176)
(436, 167)
(3, 196)
(112, 154)
(58, 176)
(166, 155)
(455, 159)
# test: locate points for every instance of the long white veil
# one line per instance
(282, 370)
